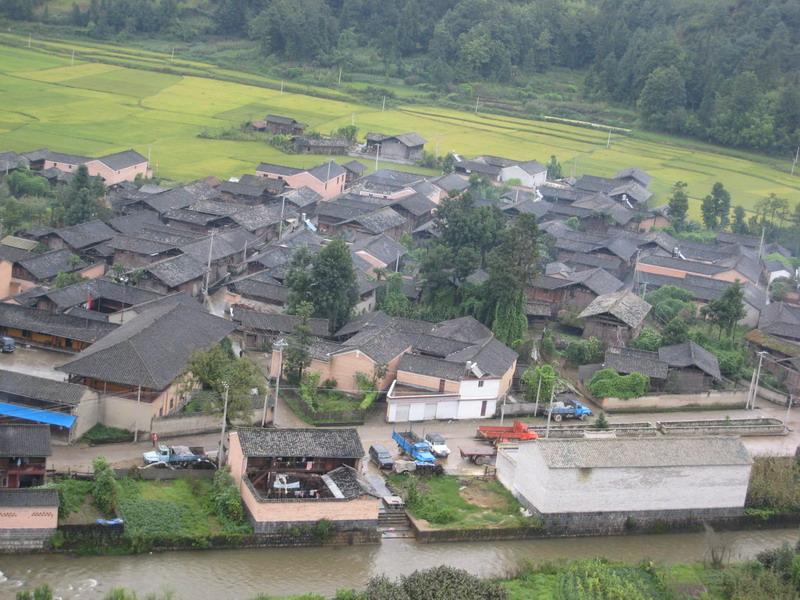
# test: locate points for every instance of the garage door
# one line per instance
(430, 411)
(447, 410)
(417, 412)
(401, 415)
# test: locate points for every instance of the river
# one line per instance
(242, 574)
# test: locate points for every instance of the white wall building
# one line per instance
(661, 478)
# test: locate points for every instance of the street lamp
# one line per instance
(280, 345)
(221, 452)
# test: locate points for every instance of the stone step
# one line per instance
(397, 534)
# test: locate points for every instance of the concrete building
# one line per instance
(300, 476)
(607, 485)
(404, 147)
(112, 168)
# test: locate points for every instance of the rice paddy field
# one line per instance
(109, 98)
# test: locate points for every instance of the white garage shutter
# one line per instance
(430, 411)
(417, 412)
(401, 416)
(447, 410)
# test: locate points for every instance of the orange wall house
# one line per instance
(113, 168)
(28, 518)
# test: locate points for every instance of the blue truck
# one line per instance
(569, 409)
(412, 445)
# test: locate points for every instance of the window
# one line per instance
(480, 382)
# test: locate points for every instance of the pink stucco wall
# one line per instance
(98, 168)
(328, 190)
(23, 517)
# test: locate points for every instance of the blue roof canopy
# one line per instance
(37, 415)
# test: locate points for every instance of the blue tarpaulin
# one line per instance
(37, 415)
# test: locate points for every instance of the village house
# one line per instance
(403, 147)
(182, 196)
(44, 329)
(528, 174)
(39, 269)
(113, 169)
(355, 170)
(69, 410)
(225, 251)
(778, 334)
(379, 252)
(451, 184)
(279, 125)
(77, 238)
(321, 145)
(140, 367)
(327, 179)
(10, 256)
(11, 161)
(98, 295)
(260, 330)
(417, 209)
(24, 449)
(571, 290)
(28, 512)
(605, 486)
(202, 216)
(291, 477)
(251, 189)
(615, 318)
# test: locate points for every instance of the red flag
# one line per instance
(88, 301)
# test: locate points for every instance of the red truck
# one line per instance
(515, 433)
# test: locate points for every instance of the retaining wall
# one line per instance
(711, 400)
(576, 431)
(195, 423)
(763, 426)
(25, 540)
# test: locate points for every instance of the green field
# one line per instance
(103, 103)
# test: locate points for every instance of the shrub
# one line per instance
(774, 484)
(322, 530)
(309, 389)
(101, 434)
(329, 384)
(530, 382)
(105, 489)
(42, 592)
(607, 383)
(648, 339)
(225, 498)
(731, 363)
(585, 352)
(71, 494)
(753, 582)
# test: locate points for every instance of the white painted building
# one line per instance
(530, 174)
(660, 477)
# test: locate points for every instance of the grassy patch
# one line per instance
(89, 108)
(449, 502)
(72, 495)
(100, 434)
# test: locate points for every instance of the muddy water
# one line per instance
(242, 574)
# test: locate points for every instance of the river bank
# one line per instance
(243, 574)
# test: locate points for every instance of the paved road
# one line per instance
(458, 434)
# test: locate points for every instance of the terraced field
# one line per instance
(109, 98)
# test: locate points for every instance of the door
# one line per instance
(441, 386)
(401, 414)
(483, 408)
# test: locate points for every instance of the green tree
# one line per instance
(530, 383)
(649, 339)
(510, 323)
(722, 204)
(554, 168)
(334, 290)
(105, 489)
(679, 204)
(727, 310)
(709, 211)
(739, 224)
(216, 367)
(25, 183)
(297, 356)
(80, 200)
(663, 98)
(299, 279)
(676, 331)
(64, 279)
(393, 299)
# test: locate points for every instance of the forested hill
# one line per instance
(723, 70)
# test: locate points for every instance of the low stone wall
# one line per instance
(25, 540)
(620, 430)
(604, 524)
(763, 426)
(169, 474)
(195, 423)
(707, 400)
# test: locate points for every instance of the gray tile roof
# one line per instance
(432, 367)
(133, 222)
(624, 305)
(411, 139)
(492, 357)
(451, 182)
(79, 293)
(597, 280)
(381, 345)
(256, 217)
(281, 120)
(251, 320)
(641, 452)
(370, 319)
(122, 160)
(380, 220)
(59, 325)
(355, 167)
(347, 481)
(176, 271)
(278, 169)
(322, 349)
(224, 244)
(689, 354)
(33, 497)
(301, 197)
(22, 385)
(781, 319)
(382, 247)
(70, 159)
(138, 245)
(636, 174)
(463, 329)
(11, 160)
(49, 264)
(181, 197)
(300, 443)
(327, 171)
(24, 441)
(631, 360)
(152, 349)
(260, 286)
(417, 204)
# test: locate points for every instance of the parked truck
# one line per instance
(570, 409)
(419, 450)
(497, 434)
(179, 456)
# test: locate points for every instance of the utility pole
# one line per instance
(608, 143)
(550, 410)
(29, 40)
(266, 401)
(477, 100)
(208, 267)
(377, 155)
(340, 76)
(383, 106)
(536, 407)
(756, 377)
(280, 223)
(172, 56)
(796, 156)
(72, 64)
(221, 452)
(280, 345)
(281, 87)
(138, 406)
